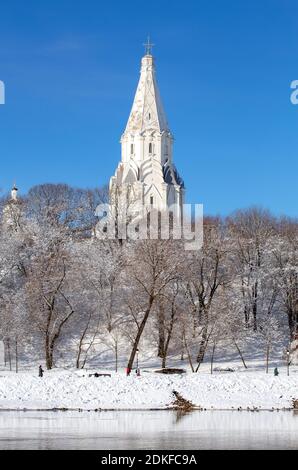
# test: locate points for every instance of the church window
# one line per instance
(149, 117)
(150, 148)
(131, 148)
(151, 200)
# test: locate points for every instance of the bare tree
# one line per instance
(49, 287)
(167, 311)
(151, 266)
(208, 271)
(285, 271)
(252, 230)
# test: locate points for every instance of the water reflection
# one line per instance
(149, 430)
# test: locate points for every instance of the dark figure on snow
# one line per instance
(40, 371)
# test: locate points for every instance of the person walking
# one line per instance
(40, 371)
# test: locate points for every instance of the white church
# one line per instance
(146, 172)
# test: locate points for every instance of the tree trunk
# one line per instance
(82, 338)
(240, 354)
(182, 353)
(139, 334)
(168, 339)
(9, 353)
(212, 357)
(292, 320)
(49, 353)
(116, 357)
(80, 348)
(79, 355)
(51, 340)
(17, 356)
(246, 316)
(255, 306)
(161, 332)
(5, 353)
(203, 345)
(188, 354)
(267, 358)
(49, 360)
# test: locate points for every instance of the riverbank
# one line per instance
(72, 389)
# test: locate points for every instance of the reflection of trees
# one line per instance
(180, 414)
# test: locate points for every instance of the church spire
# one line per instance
(147, 110)
(148, 46)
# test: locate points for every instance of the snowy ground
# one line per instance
(73, 389)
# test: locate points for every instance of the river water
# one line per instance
(149, 430)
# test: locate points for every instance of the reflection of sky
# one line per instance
(150, 429)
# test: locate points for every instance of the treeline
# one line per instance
(72, 297)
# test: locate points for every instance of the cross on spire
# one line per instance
(148, 46)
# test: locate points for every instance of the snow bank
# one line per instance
(75, 389)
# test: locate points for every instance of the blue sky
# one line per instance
(224, 70)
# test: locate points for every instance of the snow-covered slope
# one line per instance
(75, 389)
